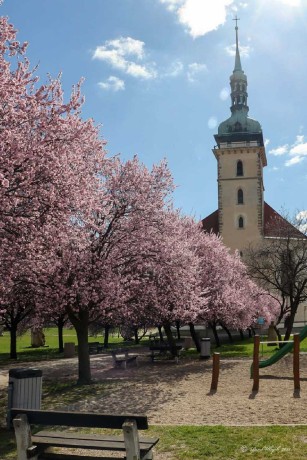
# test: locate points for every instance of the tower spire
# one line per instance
(239, 127)
(237, 60)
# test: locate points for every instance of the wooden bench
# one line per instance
(95, 347)
(40, 446)
(121, 357)
(159, 349)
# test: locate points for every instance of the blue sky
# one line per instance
(157, 80)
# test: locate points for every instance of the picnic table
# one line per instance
(95, 347)
(159, 349)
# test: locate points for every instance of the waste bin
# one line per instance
(69, 350)
(24, 390)
(205, 348)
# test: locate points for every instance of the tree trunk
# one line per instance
(106, 336)
(227, 332)
(80, 323)
(249, 333)
(178, 329)
(216, 336)
(13, 341)
(60, 336)
(170, 339)
(290, 322)
(194, 337)
(241, 334)
(278, 335)
(136, 336)
(160, 333)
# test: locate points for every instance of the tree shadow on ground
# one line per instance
(7, 444)
(139, 389)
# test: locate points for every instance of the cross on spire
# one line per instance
(237, 61)
(236, 19)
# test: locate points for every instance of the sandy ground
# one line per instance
(179, 394)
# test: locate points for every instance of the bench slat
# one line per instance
(68, 435)
(60, 456)
(79, 419)
(89, 442)
(78, 443)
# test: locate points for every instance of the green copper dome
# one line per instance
(239, 127)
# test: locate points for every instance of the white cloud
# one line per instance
(297, 151)
(172, 5)
(291, 2)
(273, 169)
(112, 84)
(282, 150)
(266, 142)
(294, 161)
(224, 94)
(212, 122)
(194, 69)
(244, 50)
(119, 52)
(175, 69)
(301, 215)
(199, 16)
(301, 219)
(299, 139)
(299, 147)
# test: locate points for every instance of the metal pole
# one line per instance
(256, 363)
(296, 361)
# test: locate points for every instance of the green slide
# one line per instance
(281, 352)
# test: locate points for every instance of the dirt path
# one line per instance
(173, 394)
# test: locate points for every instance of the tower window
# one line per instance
(239, 168)
(241, 222)
(240, 196)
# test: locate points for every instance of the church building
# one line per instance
(242, 217)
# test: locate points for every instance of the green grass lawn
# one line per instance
(242, 349)
(50, 351)
(213, 442)
(237, 349)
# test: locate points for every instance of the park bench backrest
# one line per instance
(79, 419)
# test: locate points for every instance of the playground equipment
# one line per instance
(282, 351)
(215, 371)
(291, 344)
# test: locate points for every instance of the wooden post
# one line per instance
(23, 436)
(296, 361)
(256, 363)
(131, 437)
(215, 371)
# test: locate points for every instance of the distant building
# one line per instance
(242, 217)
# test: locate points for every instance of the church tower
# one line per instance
(240, 155)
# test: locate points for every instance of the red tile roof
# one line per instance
(277, 226)
(211, 222)
(274, 224)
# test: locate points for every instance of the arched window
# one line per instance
(239, 168)
(240, 196)
(241, 222)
